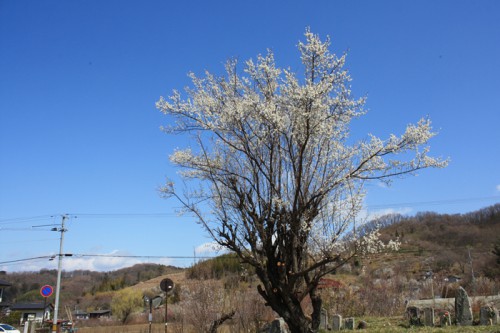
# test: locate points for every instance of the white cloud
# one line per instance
(382, 185)
(107, 262)
(498, 188)
(101, 263)
(209, 249)
(368, 215)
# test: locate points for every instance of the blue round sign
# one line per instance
(46, 291)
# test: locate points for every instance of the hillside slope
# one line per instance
(435, 249)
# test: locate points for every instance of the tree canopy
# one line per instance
(278, 179)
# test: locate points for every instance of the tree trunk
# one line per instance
(296, 324)
(316, 305)
(294, 317)
(300, 326)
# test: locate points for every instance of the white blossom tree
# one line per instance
(277, 177)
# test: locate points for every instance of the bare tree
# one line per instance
(206, 305)
(251, 313)
(277, 178)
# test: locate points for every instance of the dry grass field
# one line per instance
(375, 325)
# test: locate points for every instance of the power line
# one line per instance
(372, 256)
(105, 256)
(95, 216)
(79, 255)
(26, 259)
(145, 257)
(16, 220)
(127, 215)
(162, 215)
(22, 229)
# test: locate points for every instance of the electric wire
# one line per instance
(25, 259)
(80, 255)
(30, 219)
(77, 255)
(21, 220)
(162, 215)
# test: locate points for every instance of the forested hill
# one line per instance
(449, 242)
(81, 284)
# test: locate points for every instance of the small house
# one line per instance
(33, 311)
(100, 314)
(3, 304)
(81, 315)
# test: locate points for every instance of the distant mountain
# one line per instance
(82, 288)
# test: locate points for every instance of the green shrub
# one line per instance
(14, 318)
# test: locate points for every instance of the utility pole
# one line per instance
(62, 230)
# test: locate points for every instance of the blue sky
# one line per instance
(79, 132)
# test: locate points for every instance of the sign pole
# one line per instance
(46, 291)
(44, 307)
(150, 313)
(166, 285)
(166, 311)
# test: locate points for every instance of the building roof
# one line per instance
(97, 312)
(30, 306)
(80, 313)
(4, 283)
